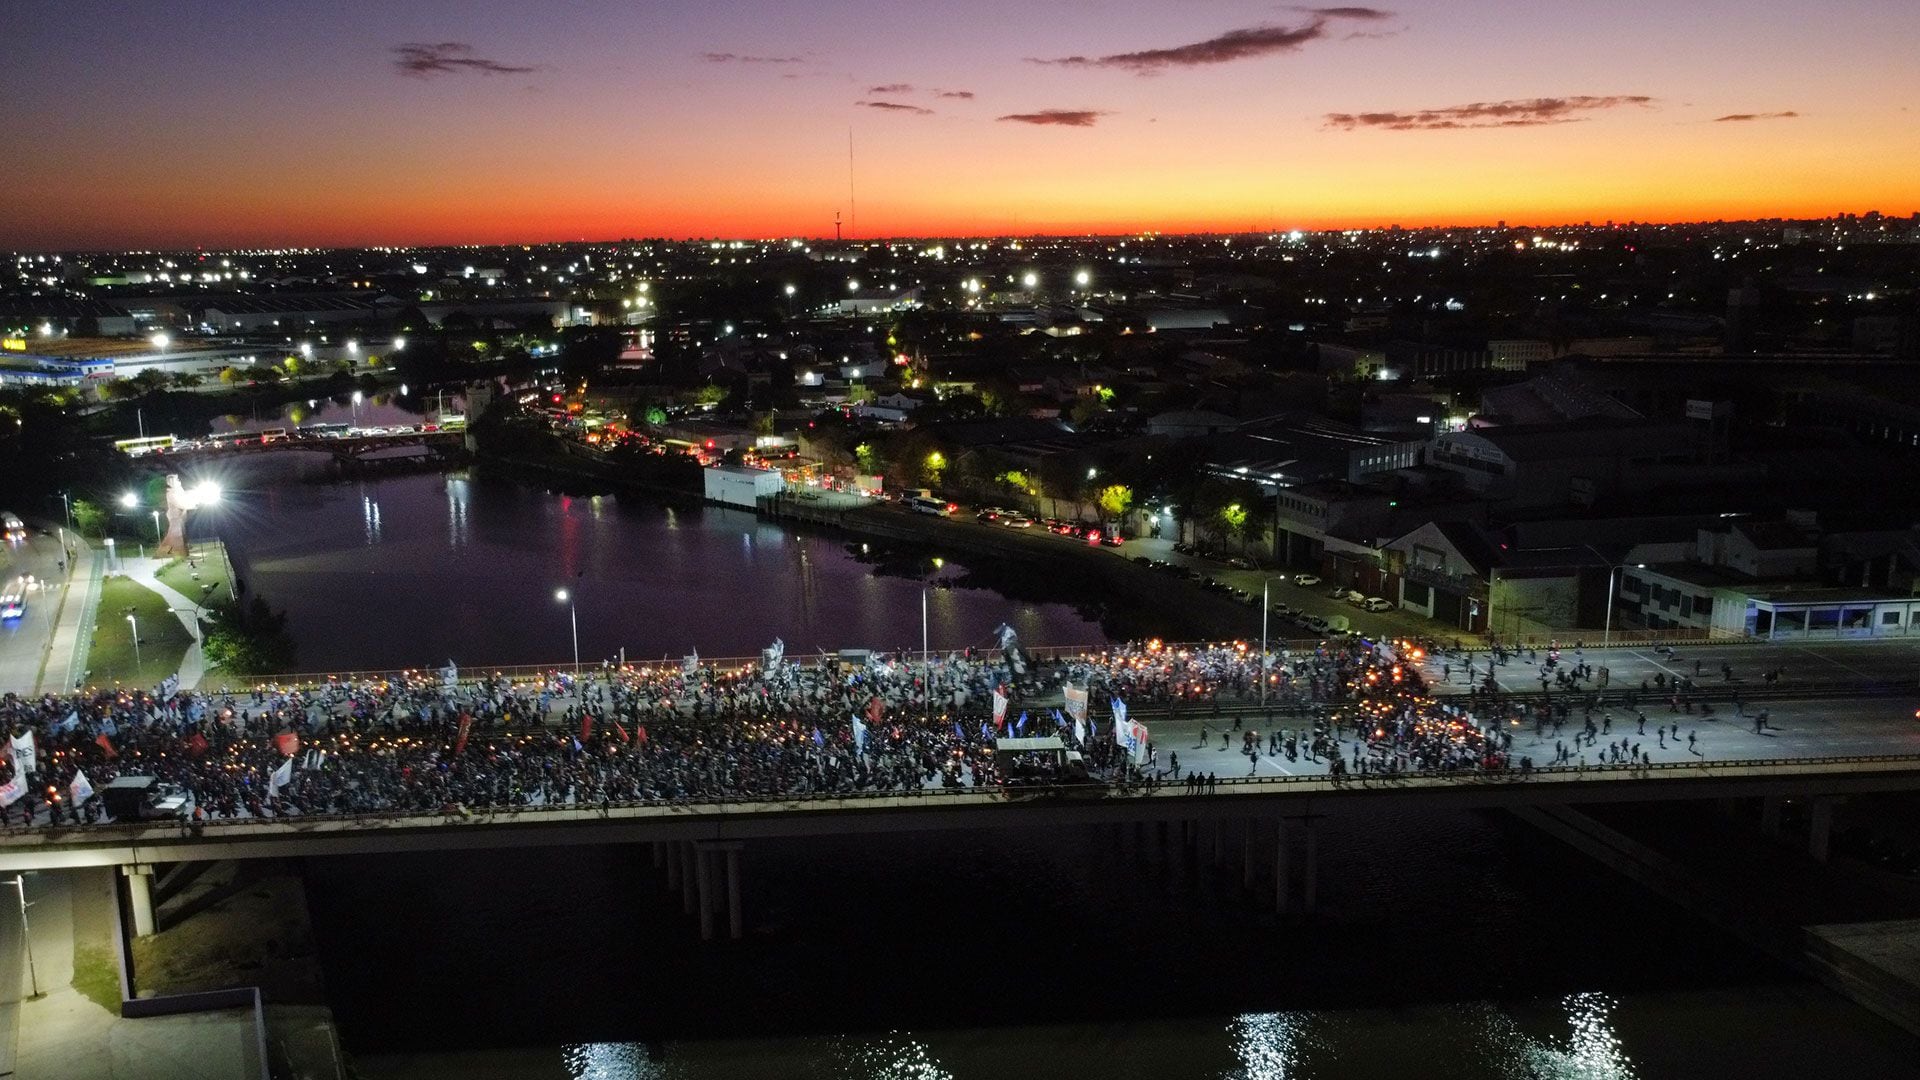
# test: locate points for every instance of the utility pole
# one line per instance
(19, 884)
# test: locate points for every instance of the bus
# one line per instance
(273, 435)
(150, 444)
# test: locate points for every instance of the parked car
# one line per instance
(1378, 603)
(1306, 581)
(1356, 597)
(1239, 563)
(1016, 521)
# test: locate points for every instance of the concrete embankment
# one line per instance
(1769, 899)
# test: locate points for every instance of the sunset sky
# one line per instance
(131, 124)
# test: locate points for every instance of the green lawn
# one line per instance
(163, 641)
(96, 975)
(211, 568)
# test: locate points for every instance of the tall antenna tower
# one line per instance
(853, 211)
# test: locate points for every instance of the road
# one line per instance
(24, 641)
(1869, 661)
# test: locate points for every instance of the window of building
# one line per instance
(1703, 606)
(1890, 618)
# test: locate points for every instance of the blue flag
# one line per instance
(986, 733)
(961, 735)
(1020, 725)
(819, 739)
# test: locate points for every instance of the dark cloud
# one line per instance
(963, 95)
(1527, 112)
(737, 58)
(1056, 117)
(1243, 44)
(891, 88)
(1362, 14)
(420, 60)
(895, 106)
(1742, 116)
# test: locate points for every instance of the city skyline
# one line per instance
(217, 126)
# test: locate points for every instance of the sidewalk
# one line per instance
(66, 660)
(145, 571)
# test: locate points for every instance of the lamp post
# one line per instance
(135, 623)
(157, 534)
(356, 409)
(573, 616)
(1266, 612)
(19, 884)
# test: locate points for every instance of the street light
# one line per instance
(129, 500)
(573, 616)
(19, 884)
(356, 408)
(157, 535)
(135, 623)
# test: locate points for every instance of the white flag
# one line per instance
(25, 759)
(282, 776)
(1119, 710)
(999, 706)
(1080, 731)
(80, 789)
(859, 736)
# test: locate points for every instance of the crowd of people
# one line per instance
(430, 742)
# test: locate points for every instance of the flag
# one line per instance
(586, 728)
(875, 710)
(72, 721)
(1080, 732)
(1020, 725)
(106, 746)
(11, 791)
(962, 736)
(999, 706)
(197, 745)
(1076, 701)
(281, 777)
(80, 789)
(288, 743)
(860, 735)
(25, 757)
(622, 732)
(460, 740)
(819, 739)
(986, 733)
(640, 734)
(108, 726)
(1119, 711)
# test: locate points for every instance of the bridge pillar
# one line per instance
(1309, 885)
(733, 891)
(670, 849)
(140, 897)
(1219, 842)
(703, 867)
(687, 873)
(1820, 828)
(1280, 875)
(1770, 815)
(659, 853)
(1246, 871)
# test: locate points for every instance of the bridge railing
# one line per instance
(1006, 793)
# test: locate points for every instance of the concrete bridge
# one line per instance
(346, 448)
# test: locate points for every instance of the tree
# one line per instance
(1114, 501)
(933, 468)
(868, 455)
(89, 518)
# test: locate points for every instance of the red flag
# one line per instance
(875, 710)
(586, 728)
(460, 741)
(622, 732)
(640, 734)
(197, 745)
(287, 743)
(106, 745)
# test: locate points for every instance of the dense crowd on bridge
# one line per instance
(430, 743)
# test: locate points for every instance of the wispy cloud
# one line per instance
(1243, 44)
(1525, 112)
(891, 88)
(895, 106)
(738, 58)
(421, 60)
(1732, 118)
(963, 95)
(1056, 117)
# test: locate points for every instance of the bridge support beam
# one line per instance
(1310, 869)
(1246, 872)
(687, 884)
(703, 874)
(671, 850)
(1280, 875)
(1770, 814)
(1820, 827)
(140, 897)
(733, 891)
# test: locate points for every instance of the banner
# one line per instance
(11, 791)
(1132, 737)
(1076, 701)
(460, 740)
(80, 789)
(288, 743)
(25, 757)
(999, 707)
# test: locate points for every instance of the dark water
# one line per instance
(1449, 945)
(413, 571)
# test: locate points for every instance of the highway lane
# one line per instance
(24, 641)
